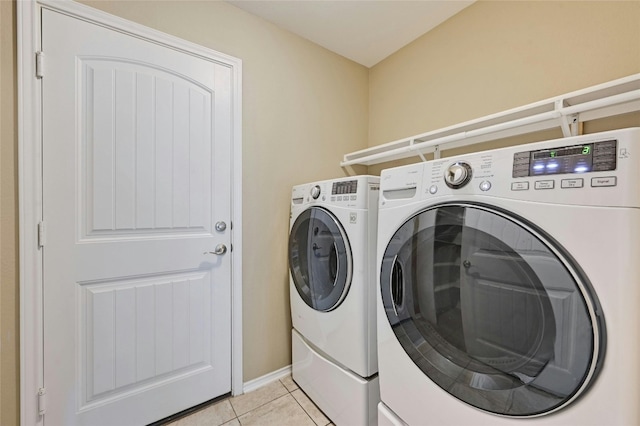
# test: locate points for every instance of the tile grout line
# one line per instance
(298, 402)
(290, 392)
(305, 411)
(259, 406)
(234, 412)
(314, 404)
(266, 403)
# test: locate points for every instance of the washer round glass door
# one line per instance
(491, 310)
(319, 259)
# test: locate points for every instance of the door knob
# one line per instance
(221, 226)
(219, 250)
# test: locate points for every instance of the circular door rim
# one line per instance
(582, 282)
(348, 254)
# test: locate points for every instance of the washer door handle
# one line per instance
(396, 285)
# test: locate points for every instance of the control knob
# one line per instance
(457, 174)
(315, 192)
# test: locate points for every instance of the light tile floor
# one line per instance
(279, 403)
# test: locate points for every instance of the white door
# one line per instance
(136, 170)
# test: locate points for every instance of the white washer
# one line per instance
(332, 248)
(509, 289)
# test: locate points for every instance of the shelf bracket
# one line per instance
(412, 144)
(564, 120)
(574, 124)
(436, 152)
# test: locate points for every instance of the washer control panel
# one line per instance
(601, 169)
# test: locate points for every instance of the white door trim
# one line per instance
(30, 187)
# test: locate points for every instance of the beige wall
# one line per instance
(497, 55)
(9, 334)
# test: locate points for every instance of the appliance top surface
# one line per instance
(590, 170)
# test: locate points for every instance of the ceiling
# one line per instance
(364, 31)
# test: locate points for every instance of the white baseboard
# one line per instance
(254, 384)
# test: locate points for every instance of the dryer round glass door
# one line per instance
(491, 309)
(320, 259)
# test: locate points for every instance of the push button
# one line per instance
(604, 181)
(519, 186)
(544, 184)
(572, 183)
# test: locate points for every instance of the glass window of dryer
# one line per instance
(319, 259)
(492, 314)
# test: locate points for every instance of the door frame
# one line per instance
(31, 186)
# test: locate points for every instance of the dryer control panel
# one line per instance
(601, 169)
(344, 187)
(350, 192)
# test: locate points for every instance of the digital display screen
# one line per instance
(592, 157)
(573, 159)
(346, 187)
(556, 153)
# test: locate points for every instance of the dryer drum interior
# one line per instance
(320, 259)
(491, 310)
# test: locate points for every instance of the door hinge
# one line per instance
(39, 64)
(42, 407)
(42, 237)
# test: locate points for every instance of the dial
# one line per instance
(457, 174)
(315, 192)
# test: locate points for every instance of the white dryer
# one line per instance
(332, 249)
(509, 289)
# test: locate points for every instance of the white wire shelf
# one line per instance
(566, 111)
